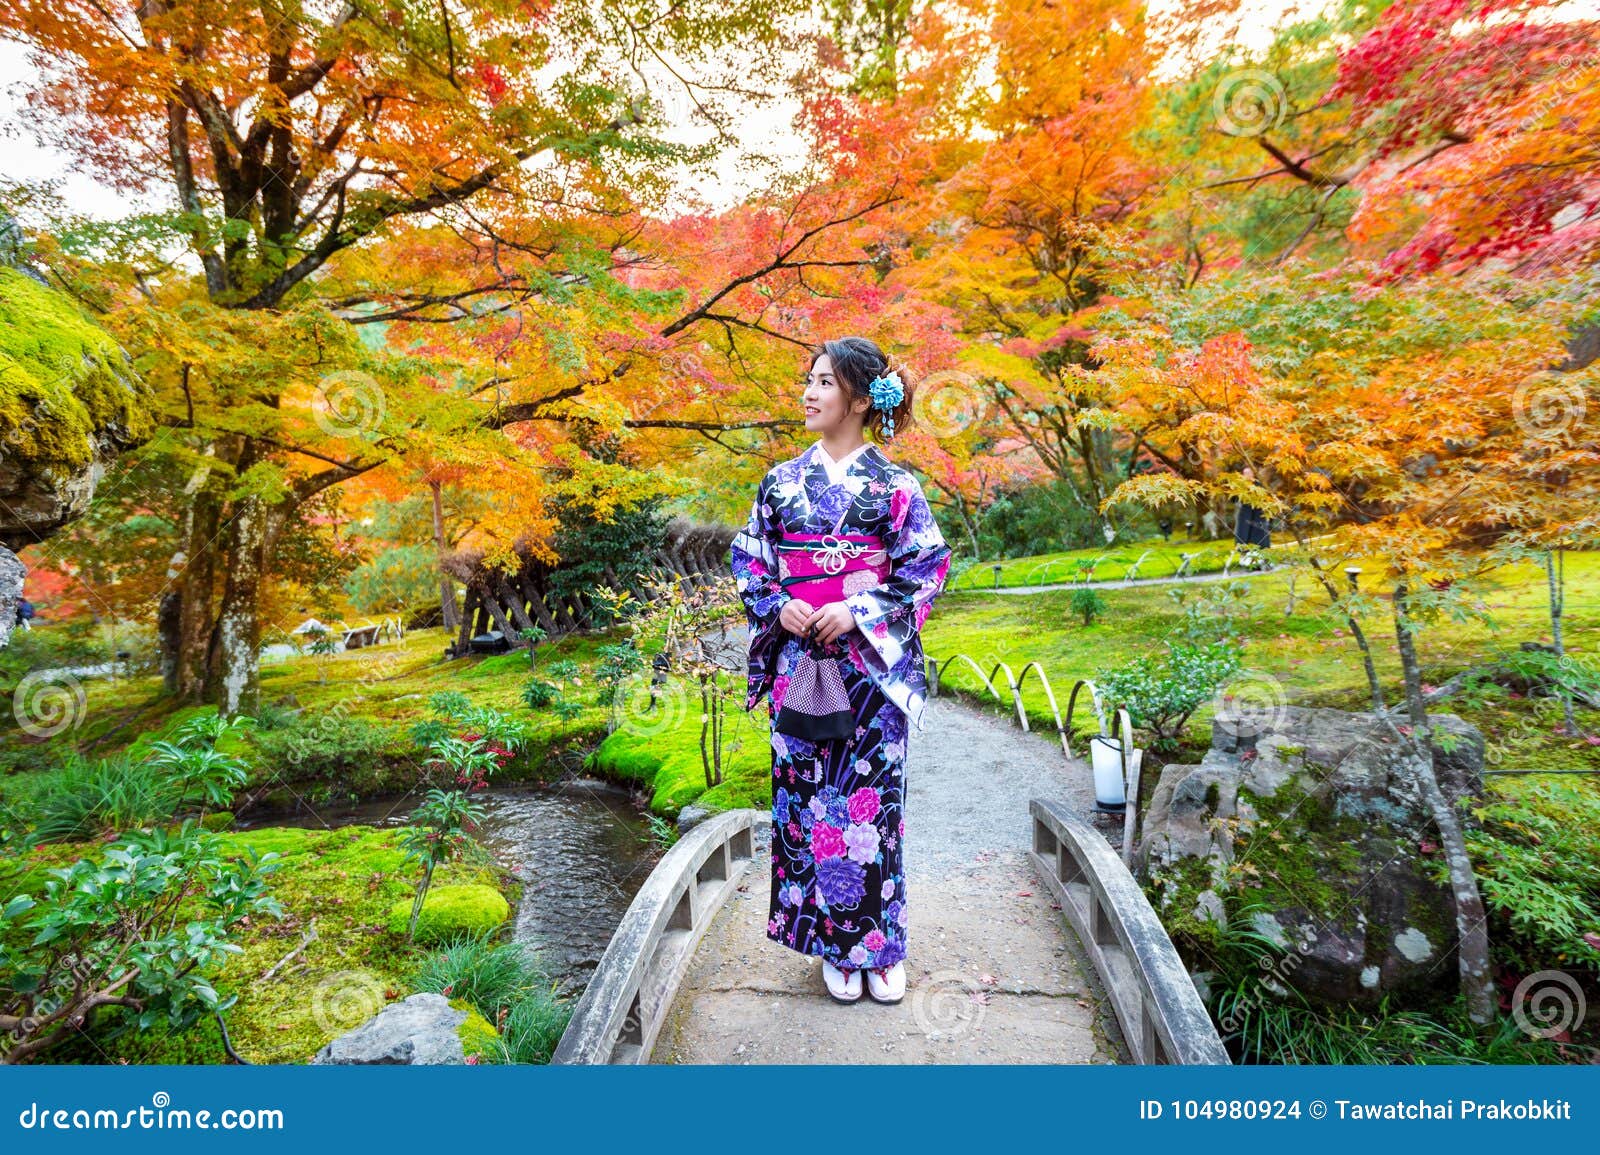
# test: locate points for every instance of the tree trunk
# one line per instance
(196, 588)
(1374, 689)
(416, 904)
(238, 687)
(168, 616)
(1472, 928)
(447, 591)
(1410, 671)
(1555, 568)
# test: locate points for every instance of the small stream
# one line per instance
(581, 851)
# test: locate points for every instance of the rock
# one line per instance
(691, 816)
(422, 1029)
(1315, 815)
(12, 572)
(451, 911)
(69, 402)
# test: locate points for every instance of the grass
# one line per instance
(1304, 658)
(1155, 559)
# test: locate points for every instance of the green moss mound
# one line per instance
(478, 1036)
(665, 754)
(467, 908)
(61, 378)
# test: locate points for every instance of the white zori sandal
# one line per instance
(843, 986)
(887, 985)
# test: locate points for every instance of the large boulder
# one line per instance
(69, 402)
(1312, 821)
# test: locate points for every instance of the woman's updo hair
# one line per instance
(857, 362)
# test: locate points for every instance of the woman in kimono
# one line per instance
(838, 567)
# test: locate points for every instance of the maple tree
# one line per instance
(1398, 427)
(1480, 120)
(482, 167)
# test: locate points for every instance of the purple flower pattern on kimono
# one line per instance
(839, 889)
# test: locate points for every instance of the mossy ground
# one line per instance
(344, 881)
(449, 910)
(1307, 658)
(338, 729)
(662, 749)
(1155, 558)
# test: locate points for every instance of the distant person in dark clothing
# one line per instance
(25, 613)
(1250, 527)
(1250, 524)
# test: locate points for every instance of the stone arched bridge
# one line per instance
(1029, 940)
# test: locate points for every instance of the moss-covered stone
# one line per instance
(478, 1036)
(64, 384)
(449, 911)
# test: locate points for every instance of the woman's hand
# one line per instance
(832, 621)
(796, 616)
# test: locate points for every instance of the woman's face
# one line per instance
(828, 403)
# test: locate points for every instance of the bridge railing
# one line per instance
(1155, 1001)
(621, 1011)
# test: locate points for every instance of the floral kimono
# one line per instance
(838, 890)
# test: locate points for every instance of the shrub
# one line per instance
(328, 747)
(533, 1028)
(1537, 857)
(160, 903)
(539, 694)
(1161, 691)
(1088, 604)
(490, 975)
(84, 799)
(507, 986)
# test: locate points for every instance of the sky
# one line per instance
(765, 129)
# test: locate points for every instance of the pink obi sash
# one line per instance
(820, 568)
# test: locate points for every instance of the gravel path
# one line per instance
(994, 975)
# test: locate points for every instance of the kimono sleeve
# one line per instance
(755, 563)
(890, 614)
(754, 560)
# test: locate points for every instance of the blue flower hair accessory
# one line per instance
(887, 392)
